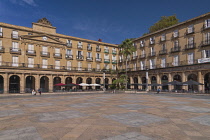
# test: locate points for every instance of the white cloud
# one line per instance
(30, 2)
(23, 2)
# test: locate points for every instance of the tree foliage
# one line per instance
(164, 22)
(120, 82)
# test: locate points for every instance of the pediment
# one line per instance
(43, 38)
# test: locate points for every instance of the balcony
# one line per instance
(15, 51)
(114, 61)
(134, 57)
(89, 48)
(80, 57)
(57, 55)
(69, 57)
(89, 58)
(31, 52)
(190, 46)
(69, 45)
(142, 56)
(152, 54)
(79, 47)
(152, 42)
(162, 39)
(98, 49)
(205, 28)
(163, 52)
(14, 36)
(2, 50)
(106, 51)
(106, 61)
(114, 52)
(45, 54)
(175, 49)
(98, 59)
(205, 43)
(189, 33)
(174, 37)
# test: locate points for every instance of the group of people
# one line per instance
(34, 92)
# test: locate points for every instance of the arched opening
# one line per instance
(153, 81)
(68, 81)
(164, 80)
(56, 80)
(30, 84)
(207, 82)
(128, 85)
(79, 81)
(106, 83)
(14, 84)
(194, 78)
(89, 81)
(98, 81)
(1, 84)
(44, 84)
(135, 80)
(144, 81)
(179, 79)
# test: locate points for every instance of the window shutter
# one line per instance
(204, 53)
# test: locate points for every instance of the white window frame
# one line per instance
(44, 63)
(175, 33)
(68, 65)
(1, 31)
(190, 29)
(163, 37)
(15, 61)
(30, 62)
(207, 23)
(57, 64)
(14, 34)
(176, 60)
(190, 58)
(163, 62)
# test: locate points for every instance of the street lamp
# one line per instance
(104, 75)
(147, 79)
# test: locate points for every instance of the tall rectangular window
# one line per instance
(14, 34)
(57, 64)
(176, 33)
(152, 40)
(207, 23)
(206, 53)
(1, 47)
(142, 43)
(30, 62)
(79, 65)
(163, 62)
(69, 43)
(44, 63)
(134, 66)
(15, 46)
(191, 42)
(176, 44)
(142, 63)
(152, 63)
(190, 29)
(0, 60)
(30, 48)
(163, 46)
(97, 67)
(1, 31)
(176, 60)
(163, 37)
(89, 66)
(68, 52)
(190, 58)
(57, 52)
(113, 67)
(207, 38)
(44, 50)
(15, 61)
(89, 54)
(68, 65)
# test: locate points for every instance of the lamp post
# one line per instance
(147, 79)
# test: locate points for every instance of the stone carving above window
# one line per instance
(44, 21)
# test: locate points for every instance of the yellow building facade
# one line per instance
(180, 52)
(38, 57)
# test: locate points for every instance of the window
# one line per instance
(89, 55)
(152, 63)
(206, 53)
(98, 55)
(0, 60)
(79, 64)
(163, 37)
(14, 34)
(44, 50)
(30, 48)
(1, 47)
(57, 64)
(143, 52)
(190, 42)
(15, 61)
(106, 66)
(176, 60)
(142, 63)
(1, 32)
(207, 23)
(152, 50)
(176, 44)
(134, 66)
(190, 29)
(68, 52)
(57, 52)
(68, 65)
(163, 62)
(176, 33)
(190, 58)
(152, 40)
(106, 56)
(80, 45)
(30, 62)
(113, 67)
(114, 58)
(89, 66)
(207, 38)
(15, 46)
(106, 49)
(120, 57)
(44, 63)
(142, 43)
(164, 46)
(69, 43)
(97, 67)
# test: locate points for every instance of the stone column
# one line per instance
(50, 83)
(6, 83)
(169, 80)
(149, 82)
(200, 80)
(63, 79)
(158, 79)
(22, 83)
(184, 80)
(37, 82)
(131, 82)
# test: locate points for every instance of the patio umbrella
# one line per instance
(192, 82)
(155, 84)
(71, 85)
(84, 84)
(60, 84)
(174, 83)
(95, 85)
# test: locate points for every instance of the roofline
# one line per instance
(178, 24)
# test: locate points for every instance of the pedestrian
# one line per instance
(40, 92)
(158, 90)
(33, 92)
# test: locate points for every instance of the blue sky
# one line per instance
(111, 20)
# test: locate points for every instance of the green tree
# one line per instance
(127, 50)
(119, 82)
(164, 22)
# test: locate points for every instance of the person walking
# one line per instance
(40, 92)
(158, 90)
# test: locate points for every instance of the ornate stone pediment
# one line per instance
(44, 21)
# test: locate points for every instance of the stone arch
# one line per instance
(193, 77)
(44, 84)
(14, 84)
(56, 80)
(128, 83)
(144, 81)
(154, 81)
(1, 84)
(98, 81)
(89, 81)
(164, 79)
(106, 83)
(207, 82)
(178, 78)
(79, 81)
(30, 84)
(135, 80)
(68, 80)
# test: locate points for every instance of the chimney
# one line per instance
(99, 40)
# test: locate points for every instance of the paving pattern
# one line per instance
(105, 117)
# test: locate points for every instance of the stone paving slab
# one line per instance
(5, 113)
(135, 119)
(7, 103)
(191, 109)
(204, 120)
(27, 133)
(133, 106)
(175, 102)
(38, 104)
(83, 105)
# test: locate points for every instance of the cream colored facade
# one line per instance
(180, 52)
(38, 57)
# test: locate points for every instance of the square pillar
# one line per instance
(37, 82)
(6, 83)
(50, 83)
(200, 80)
(22, 83)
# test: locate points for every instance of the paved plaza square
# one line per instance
(143, 116)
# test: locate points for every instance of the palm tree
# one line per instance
(127, 48)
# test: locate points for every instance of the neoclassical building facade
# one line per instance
(180, 52)
(38, 57)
